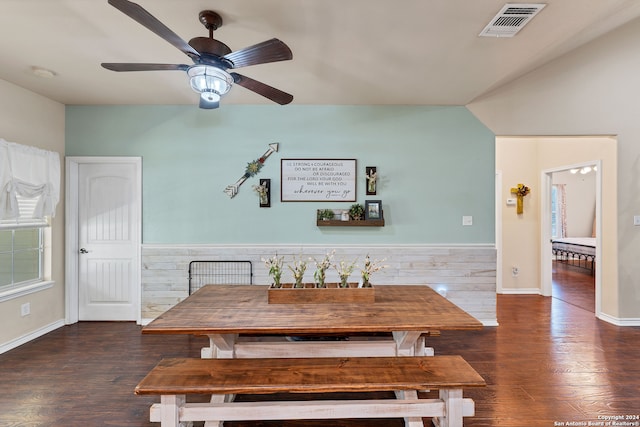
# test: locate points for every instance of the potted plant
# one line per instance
(320, 275)
(274, 264)
(298, 269)
(368, 268)
(356, 211)
(325, 214)
(344, 271)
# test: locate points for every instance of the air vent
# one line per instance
(511, 19)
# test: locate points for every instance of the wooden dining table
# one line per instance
(241, 323)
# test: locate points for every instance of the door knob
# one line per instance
(83, 251)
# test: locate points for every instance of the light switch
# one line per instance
(467, 220)
(511, 202)
(636, 220)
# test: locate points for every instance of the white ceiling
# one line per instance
(345, 52)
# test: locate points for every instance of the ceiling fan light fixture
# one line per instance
(210, 96)
(209, 81)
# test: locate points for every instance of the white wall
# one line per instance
(580, 202)
(592, 91)
(30, 119)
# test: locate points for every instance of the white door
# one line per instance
(108, 241)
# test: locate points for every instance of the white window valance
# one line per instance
(28, 173)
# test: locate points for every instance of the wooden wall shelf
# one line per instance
(350, 223)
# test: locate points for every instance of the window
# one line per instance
(22, 247)
(21, 256)
(29, 193)
(554, 211)
(558, 221)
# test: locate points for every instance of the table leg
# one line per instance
(221, 346)
(409, 343)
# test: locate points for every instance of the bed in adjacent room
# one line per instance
(577, 251)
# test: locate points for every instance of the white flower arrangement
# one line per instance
(298, 269)
(274, 264)
(369, 268)
(321, 269)
(344, 271)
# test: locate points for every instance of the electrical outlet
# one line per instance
(515, 271)
(25, 309)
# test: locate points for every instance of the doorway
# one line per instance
(573, 201)
(103, 211)
(524, 241)
(592, 228)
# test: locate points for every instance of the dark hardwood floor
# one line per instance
(549, 362)
(574, 285)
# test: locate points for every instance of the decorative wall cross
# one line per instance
(520, 191)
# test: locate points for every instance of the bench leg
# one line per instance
(409, 395)
(170, 410)
(453, 408)
(219, 398)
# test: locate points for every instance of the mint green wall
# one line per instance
(435, 164)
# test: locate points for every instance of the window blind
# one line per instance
(29, 183)
(26, 207)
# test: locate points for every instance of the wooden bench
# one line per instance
(173, 379)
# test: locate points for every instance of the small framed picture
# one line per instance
(372, 209)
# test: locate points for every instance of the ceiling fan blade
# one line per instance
(124, 66)
(208, 105)
(276, 95)
(139, 14)
(272, 50)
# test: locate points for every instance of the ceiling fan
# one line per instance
(211, 58)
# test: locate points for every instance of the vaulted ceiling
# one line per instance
(345, 52)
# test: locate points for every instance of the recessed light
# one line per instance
(42, 72)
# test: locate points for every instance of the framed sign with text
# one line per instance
(318, 180)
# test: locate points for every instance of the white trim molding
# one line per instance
(20, 291)
(72, 224)
(521, 291)
(31, 336)
(618, 321)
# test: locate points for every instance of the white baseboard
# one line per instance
(31, 336)
(520, 291)
(618, 321)
(489, 322)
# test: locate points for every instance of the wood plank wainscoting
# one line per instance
(467, 272)
(548, 362)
